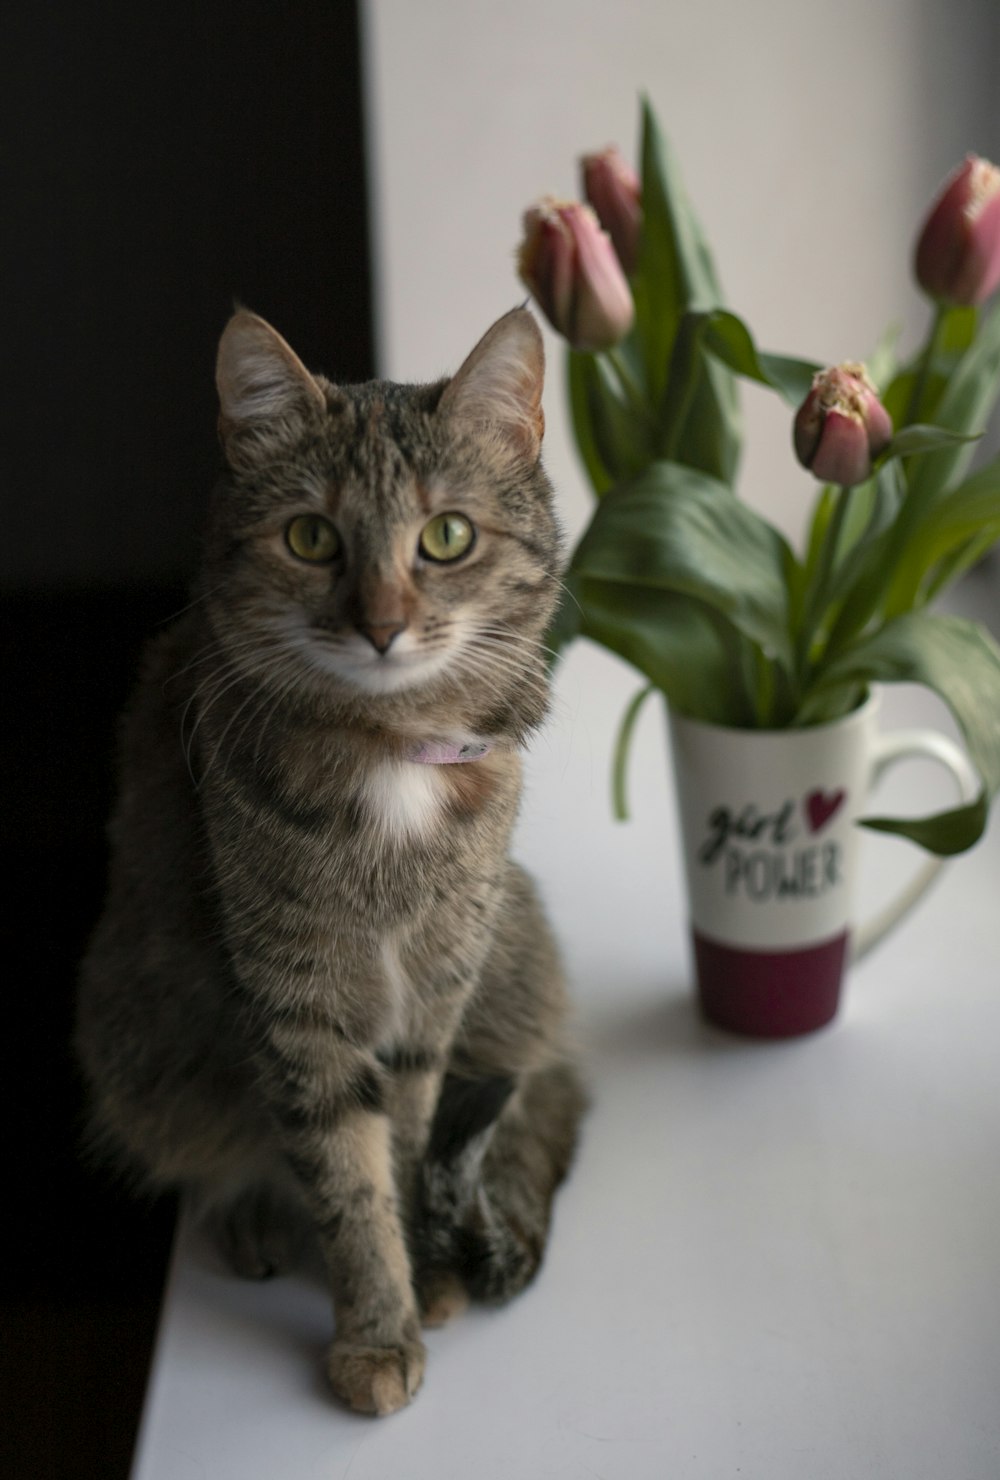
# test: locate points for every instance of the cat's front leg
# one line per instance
(376, 1361)
(415, 1066)
(334, 1131)
(415, 1078)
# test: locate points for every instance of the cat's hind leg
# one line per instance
(258, 1232)
(527, 1158)
(497, 1154)
(505, 1125)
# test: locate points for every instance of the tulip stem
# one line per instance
(930, 349)
(816, 599)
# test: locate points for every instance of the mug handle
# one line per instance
(887, 749)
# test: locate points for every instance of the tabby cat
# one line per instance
(322, 1000)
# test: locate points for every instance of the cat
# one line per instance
(321, 1000)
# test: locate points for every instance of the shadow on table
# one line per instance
(664, 1021)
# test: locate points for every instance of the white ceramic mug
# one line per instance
(768, 822)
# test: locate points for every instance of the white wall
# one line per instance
(811, 138)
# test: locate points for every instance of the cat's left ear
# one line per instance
(500, 384)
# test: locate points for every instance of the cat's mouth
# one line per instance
(405, 664)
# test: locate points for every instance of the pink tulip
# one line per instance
(841, 426)
(958, 252)
(570, 266)
(612, 187)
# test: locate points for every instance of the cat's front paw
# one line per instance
(376, 1379)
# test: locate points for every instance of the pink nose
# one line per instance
(381, 635)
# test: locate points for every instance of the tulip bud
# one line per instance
(570, 266)
(841, 426)
(958, 253)
(612, 187)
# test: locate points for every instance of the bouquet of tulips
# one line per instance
(700, 593)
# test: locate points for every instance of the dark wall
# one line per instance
(158, 161)
(166, 159)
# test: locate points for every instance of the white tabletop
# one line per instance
(771, 1260)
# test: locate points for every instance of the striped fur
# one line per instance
(321, 999)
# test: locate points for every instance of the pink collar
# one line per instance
(437, 753)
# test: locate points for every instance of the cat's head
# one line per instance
(383, 544)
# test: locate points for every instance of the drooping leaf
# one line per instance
(729, 340)
(623, 744)
(959, 661)
(675, 530)
(917, 439)
(687, 649)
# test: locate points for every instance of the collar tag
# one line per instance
(437, 753)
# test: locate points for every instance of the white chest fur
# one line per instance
(403, 799)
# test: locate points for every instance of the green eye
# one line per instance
(447, 537)
(312, 538)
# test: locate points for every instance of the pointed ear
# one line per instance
(261, 382)
(500, 384)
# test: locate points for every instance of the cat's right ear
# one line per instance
(264, 388)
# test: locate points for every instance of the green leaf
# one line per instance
(712, 436)
(615, 442)
(958, 561)
(967, 510)
(730, 341)
(675, 273)
(917, 439)
(959, 661)
(700, 420)
(875, 560)
(864, 592)
(684, 647)
(674, 258)
(952, 334)
(957, 531)
(666, 272)
(964, 406)
(675, 530)
(899, 393)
